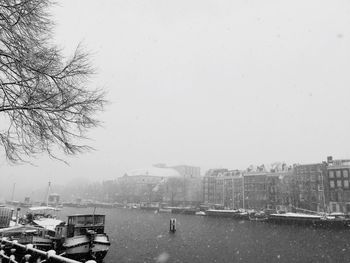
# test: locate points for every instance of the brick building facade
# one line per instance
(337, 182)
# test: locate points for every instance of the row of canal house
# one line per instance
(319, 187)
(338, 190)
(250, 189)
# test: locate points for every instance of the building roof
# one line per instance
(155, 171)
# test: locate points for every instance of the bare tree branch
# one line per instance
(44, 98)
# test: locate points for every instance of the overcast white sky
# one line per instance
(207, 83)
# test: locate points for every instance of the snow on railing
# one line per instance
(30, 251)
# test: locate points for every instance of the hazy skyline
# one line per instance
(206, 83)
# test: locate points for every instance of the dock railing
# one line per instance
(29, 251)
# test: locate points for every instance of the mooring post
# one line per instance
(172, 226)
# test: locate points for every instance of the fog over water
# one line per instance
(205, 83)
(143, 236)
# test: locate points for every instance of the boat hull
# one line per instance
(236, 214)
(222, 213)
(186, 211)
(308, 220)
(82, 247)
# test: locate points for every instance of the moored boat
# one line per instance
(26, 234)
(84, 237)
(44, 217)
(258, 216)
(222, 212)
(164, 210)
(201, 213)
(236, 214)
(317, 220)
(149, 206)
(183, 210)
(294, 218)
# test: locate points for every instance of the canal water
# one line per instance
(143, 236)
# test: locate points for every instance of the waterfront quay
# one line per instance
(138, 235)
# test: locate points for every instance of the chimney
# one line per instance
(329, 159)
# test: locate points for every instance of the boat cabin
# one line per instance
(39, 212)
(26, 234)
(85, 224)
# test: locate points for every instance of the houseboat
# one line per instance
(149, 206)
(39, 237)
(83, 237)
(317, 220)
(221, 212)
(183, 210)
(236, 214)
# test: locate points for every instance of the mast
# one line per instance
(223, 192)
(47, 194)
(13, 192)
(184, 191)
(243, 189)
(323, 195)
(233, 194)
(216, 182)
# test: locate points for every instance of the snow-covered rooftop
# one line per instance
(155, 171)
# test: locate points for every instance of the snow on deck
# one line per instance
(297, 215)
(48, 223)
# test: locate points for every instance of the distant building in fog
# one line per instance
(184, 170)
(255, 188)
(188, 171)
(145, 185)
(160, 183)
(337, 182)
(309, 188)
(223, 188)
(309, 179)
(54, 199)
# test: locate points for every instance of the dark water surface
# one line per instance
(142, 236)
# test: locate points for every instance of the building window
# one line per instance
(348, 208)
(331, 184)
(346, 183)
(332, 196)
(345, 173)
(339, 197)
(313, 177)
(313, 187)
(338, 183)
(331, 174)
(338, 174)
(334, 208)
